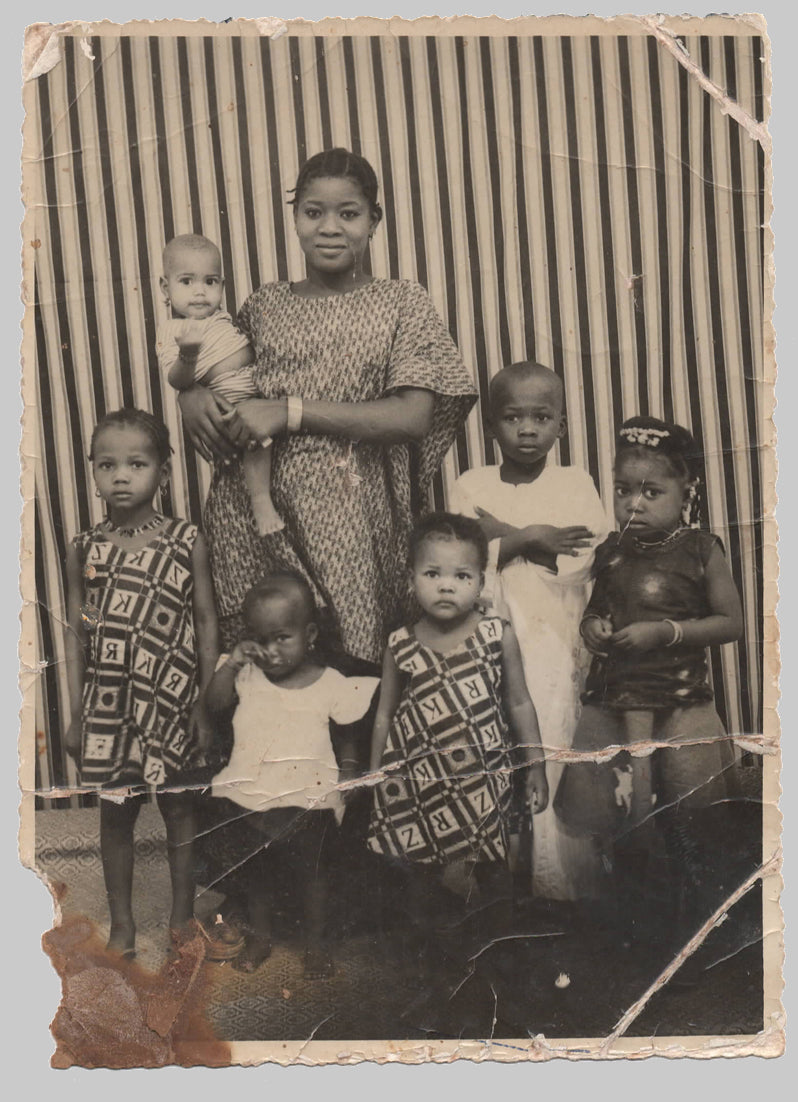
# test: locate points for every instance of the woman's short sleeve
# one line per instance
(424, 355)
(351, 697)
(243, 321)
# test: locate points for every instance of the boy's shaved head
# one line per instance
(187, 242)
(502, 383)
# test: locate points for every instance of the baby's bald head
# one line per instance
(180, 248)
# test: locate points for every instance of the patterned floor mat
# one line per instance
(559, 972)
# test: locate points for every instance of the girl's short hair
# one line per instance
(449, 526)
(280, 584)
(136, 419)
(675, 444)
(340, 162)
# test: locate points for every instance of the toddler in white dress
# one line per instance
(283, 773)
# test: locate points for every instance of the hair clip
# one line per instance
(639, 434)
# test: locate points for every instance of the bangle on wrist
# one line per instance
(678, 632)
(293, 420)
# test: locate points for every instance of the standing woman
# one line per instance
(363, 392)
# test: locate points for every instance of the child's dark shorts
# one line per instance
(235, 838)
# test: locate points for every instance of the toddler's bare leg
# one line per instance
(258, 477)
(639, 727)
(258, 945)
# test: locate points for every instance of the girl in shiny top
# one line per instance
(663, 594)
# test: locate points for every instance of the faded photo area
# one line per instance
(399, 562)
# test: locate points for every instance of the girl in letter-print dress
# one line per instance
(450, 796)
(141, 664)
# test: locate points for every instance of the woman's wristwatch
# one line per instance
(293, 421)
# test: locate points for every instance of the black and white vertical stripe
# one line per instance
(579, 200)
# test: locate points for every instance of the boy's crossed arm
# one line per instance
(537, 543)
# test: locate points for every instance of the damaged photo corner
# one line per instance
(582, 202)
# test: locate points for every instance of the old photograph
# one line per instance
(399, 558)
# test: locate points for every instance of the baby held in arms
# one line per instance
(200, 344)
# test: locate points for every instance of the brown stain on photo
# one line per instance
(116, 1014)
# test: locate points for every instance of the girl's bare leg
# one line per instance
(258, 477)
(179, 814)
(117, 821)
(639, 728)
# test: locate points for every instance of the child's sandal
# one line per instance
(224, 939)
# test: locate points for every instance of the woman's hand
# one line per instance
(209, 421)
(642, 636)
(263, 417)
(537, 788)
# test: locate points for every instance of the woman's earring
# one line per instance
(97, 492)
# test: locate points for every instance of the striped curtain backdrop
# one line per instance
(577, 200)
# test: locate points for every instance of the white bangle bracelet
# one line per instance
(678, 632)
(293, 421)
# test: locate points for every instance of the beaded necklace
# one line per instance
(129, 533)
(641, 545)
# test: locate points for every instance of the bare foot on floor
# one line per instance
(122, 940)
(257, 949)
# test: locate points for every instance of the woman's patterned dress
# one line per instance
(348, 507)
